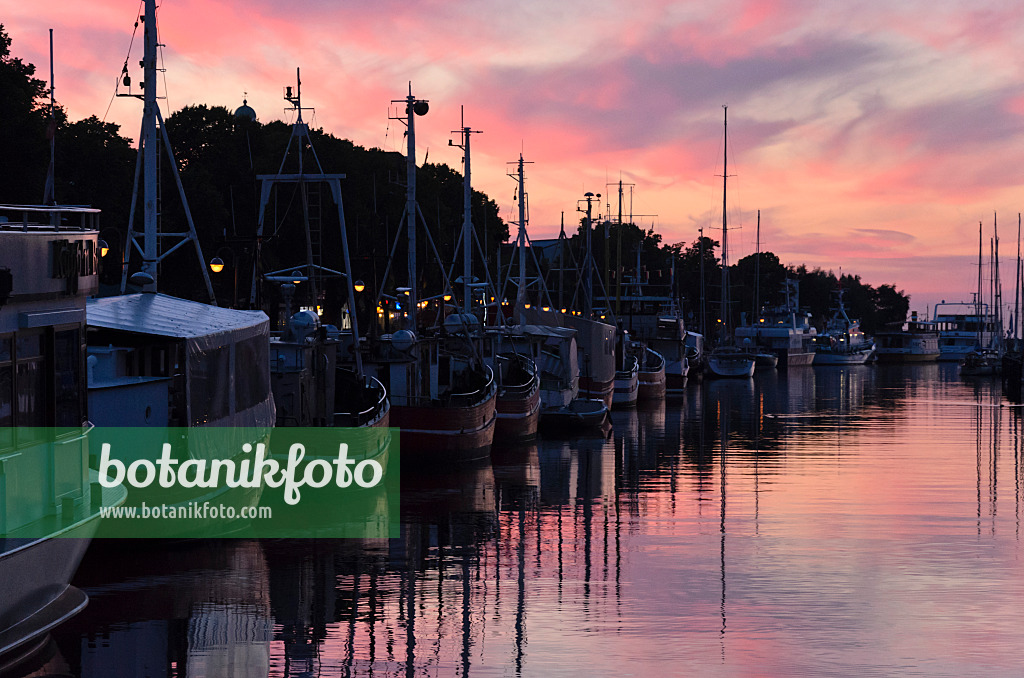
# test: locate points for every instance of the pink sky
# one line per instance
(872, 138)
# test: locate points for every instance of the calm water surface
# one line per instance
(843, 521)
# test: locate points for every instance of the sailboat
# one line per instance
(726, 359)
(985, 360)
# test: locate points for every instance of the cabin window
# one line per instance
(68, 389)
(31, 380)
(6, 394)
(252, 372)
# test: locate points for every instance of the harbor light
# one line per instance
(358, 286)
(448, 297)
(216, 264)
(104, 247)
(546, 308)
(526, 306)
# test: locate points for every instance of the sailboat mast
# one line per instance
(757, 274)
(977, 299)
(725, 227)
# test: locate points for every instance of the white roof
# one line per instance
(166, 316)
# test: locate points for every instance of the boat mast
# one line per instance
(757, 275)
(725, 228)
(467, 218)
(520, 177)
(150, 249)
(588, 264)
(979, 320)
(410, 204)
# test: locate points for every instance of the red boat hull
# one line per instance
(517, 417)
(652, 385)
(432, 432)
(598, 390)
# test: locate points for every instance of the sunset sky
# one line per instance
(872, 136)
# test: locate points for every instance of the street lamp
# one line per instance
(217, 265)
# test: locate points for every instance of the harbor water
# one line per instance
(826, 521)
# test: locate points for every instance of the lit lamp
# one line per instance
(104, 247)
(447, 297)
(216, 264)
(358, 286)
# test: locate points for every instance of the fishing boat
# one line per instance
(842, 342)
(726, 359)
(316, 370)
(666, 335)
(627, 382)
(49, 499)
(157, 361)
(911, 341)
(518, 403)
(652, 378)
(443, 395)
(553, 350)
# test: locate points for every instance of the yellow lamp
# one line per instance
(216, 264)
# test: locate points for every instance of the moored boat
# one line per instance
(518, 403)
(912, 341)
(652, 378)
(726, 359)
(49, 500)
(842, 342)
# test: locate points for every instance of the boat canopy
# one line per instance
(201, 325)
(226, 352)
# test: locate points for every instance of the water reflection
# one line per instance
(838, 521)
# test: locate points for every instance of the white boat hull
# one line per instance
(731, 365)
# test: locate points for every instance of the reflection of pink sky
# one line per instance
(872, 139)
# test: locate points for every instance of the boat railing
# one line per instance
(369, 413)
(529, 371)
(29, 215)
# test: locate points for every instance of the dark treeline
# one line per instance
(220, 157)
(749, 279)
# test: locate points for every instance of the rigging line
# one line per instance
(163, 67)
(131, 42)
